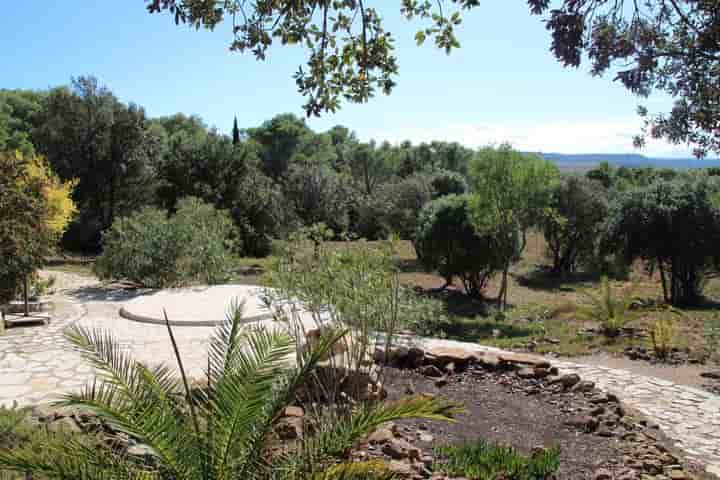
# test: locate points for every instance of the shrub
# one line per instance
(446, 182)
(484, 461)
(673, 227)
(351, 286)
(610, 310)
(424, 315)
(447, 241)
(572, 223)
(663, 333)
(158, 251)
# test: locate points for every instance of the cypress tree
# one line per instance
(236, 132)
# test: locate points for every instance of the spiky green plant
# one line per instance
(609, 308)
(222, 430)
(485, 461)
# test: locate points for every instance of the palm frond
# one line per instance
(65, 458)
(137, 400)
(283, 394)
(338, 433)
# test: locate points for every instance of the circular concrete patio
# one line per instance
(197, 306)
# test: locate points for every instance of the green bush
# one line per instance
(484, 461)
(447, 241)
(353, 286)
(158, 251)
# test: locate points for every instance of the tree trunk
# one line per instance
(26, 306)
(664, 281)
(502, 294)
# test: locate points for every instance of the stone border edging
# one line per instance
(124, 313)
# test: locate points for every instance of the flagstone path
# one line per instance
(37, 365)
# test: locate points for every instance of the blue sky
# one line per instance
(502, 85)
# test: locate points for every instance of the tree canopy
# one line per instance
(673, 227)
(671, 46)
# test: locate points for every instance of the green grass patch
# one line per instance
(485, 461)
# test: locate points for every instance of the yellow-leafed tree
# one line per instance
(60, 208)
(35, 209)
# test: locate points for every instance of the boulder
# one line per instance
(457, 355)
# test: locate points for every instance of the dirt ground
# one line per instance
(501, 413)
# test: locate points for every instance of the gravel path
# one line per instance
(37, 365)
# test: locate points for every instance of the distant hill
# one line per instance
(588, 160)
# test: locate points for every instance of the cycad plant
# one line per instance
(611, 309)
(222, 429)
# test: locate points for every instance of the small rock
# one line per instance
(140, 450)
(586, 423)
(430, 371)
(64, 424)
(567, 381)
(583, 386)
(398, 449)
(400, 469)
(602, 474)
(526, 373)
(426, 437)
(289, 428)
(294, 412)
(382, 435)
(677, 475)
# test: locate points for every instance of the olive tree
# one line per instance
(672, 226)
(448, 242)
(573, 222)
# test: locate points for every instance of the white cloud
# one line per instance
(598, 136)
